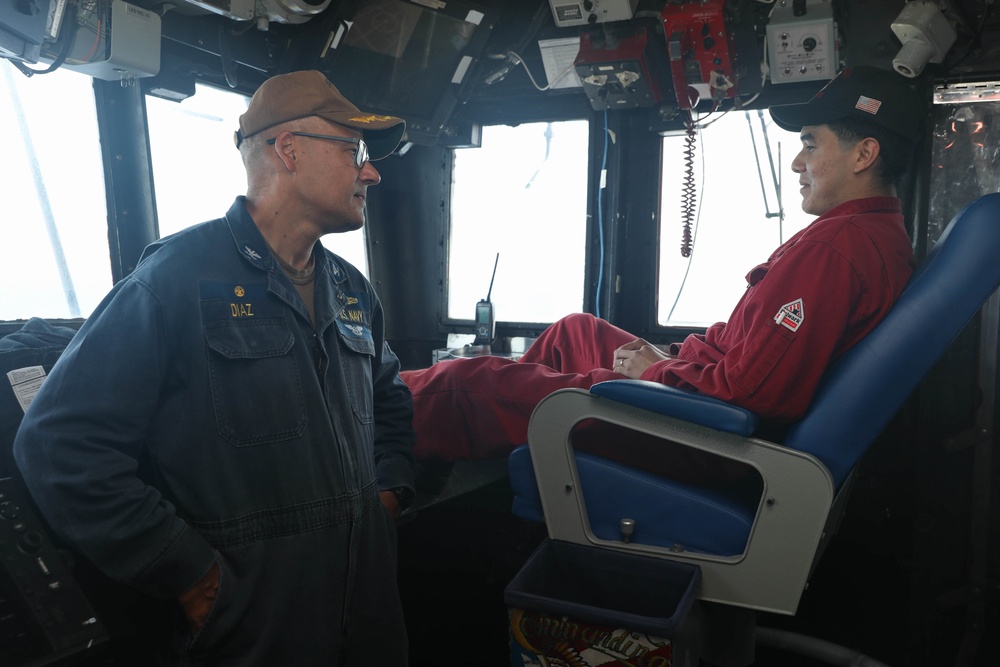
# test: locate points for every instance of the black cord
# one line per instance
(812, 647)
(69, 26)
(688, 196)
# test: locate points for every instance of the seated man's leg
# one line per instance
(577, 343)
(478, 408)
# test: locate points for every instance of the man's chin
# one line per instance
(346, 226)
(807, 207)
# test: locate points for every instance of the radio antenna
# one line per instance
(497, 261)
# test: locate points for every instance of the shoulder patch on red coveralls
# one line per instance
(792, 315)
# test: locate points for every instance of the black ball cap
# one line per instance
(866, 93)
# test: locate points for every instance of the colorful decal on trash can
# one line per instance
(543, 640)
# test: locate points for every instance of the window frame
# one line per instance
(507, 327)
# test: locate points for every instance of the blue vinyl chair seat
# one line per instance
(684, 516)
(667, 513)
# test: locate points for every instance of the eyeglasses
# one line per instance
(360, 156)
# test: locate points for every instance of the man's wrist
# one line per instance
(404, 496)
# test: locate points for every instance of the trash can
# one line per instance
(585, 606)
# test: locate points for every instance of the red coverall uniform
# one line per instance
(815, 297)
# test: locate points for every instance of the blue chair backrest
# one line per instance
(863, 391)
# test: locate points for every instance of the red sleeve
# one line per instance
(770, 355)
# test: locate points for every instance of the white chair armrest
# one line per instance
(798, 493)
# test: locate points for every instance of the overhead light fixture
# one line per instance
(926, 36)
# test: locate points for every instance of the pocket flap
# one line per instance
(250, 340)
(357, 337)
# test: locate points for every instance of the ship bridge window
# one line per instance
(735, 191)
(965, 157)
(523, 194)
(55, 224)
(192, 188)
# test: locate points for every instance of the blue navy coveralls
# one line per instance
(264, 440)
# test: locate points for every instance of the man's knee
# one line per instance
(577, 322)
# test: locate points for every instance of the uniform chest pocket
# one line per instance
(256, 387)
(358, 351)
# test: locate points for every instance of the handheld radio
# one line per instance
(485, 314)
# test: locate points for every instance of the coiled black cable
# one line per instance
(688, 190)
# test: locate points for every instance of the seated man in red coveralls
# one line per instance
(815, 297)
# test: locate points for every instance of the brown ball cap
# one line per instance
(308, 93)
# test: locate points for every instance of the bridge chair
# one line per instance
(755, 553)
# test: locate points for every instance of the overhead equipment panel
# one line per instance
(621, 72)
(802, 41)
(701, 58)
(588, 12)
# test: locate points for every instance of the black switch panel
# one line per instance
(44, 616)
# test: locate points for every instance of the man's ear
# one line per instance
(284, 148)
(867, 151)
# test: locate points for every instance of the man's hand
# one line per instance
(632, 359)
(198, 600)
(391, 503)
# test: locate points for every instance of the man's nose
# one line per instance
(370, 175)
(798, 166)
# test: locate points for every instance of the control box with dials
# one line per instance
(802, 41)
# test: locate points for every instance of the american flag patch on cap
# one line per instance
(868, 104)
